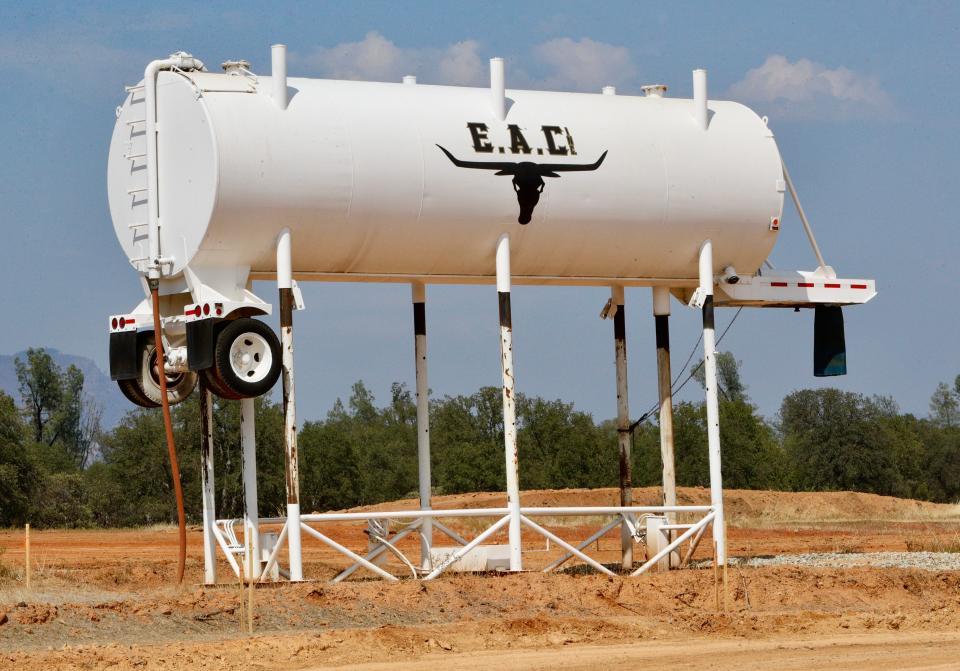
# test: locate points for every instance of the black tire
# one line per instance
(134, 393)
(144, 390)
(216, 385)
(246, 359)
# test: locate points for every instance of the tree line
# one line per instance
(58, 468)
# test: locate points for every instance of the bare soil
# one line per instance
(103, 599)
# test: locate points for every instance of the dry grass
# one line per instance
(935, 542)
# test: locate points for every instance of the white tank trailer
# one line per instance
(405, 182)
(219, 179)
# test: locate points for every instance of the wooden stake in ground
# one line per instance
(250, 579)
(26, 552)
(716, 586)
(242, 596)
(725, 600)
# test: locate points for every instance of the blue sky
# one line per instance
(863, 98)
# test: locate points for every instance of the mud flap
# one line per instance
(200, 343)
(829, 343)
(123, 356)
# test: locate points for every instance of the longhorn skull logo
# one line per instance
(527, 177)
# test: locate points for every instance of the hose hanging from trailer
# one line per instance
(168, 428)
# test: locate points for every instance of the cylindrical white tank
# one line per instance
(356, 171)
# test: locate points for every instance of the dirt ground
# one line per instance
(104, 599)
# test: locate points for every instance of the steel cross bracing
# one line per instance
(620, 515)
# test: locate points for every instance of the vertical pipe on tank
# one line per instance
(509, 400)
(153, 184)
(278, 62)
(183, 61)
(713, 410)
(700, 98)
(661, 315)
(207, 486)
(285, 286)
(419, 294)
(623, 421)
(498, 89)
(251, 512)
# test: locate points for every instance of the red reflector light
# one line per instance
(858, 286)
(832, 286)
(114, 322)
(219, 310)
(778, 284)
(206, 308)
(123, 322)
(806, 285)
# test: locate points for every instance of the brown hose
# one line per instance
(168, 427)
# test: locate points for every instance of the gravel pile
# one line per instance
(930, 561)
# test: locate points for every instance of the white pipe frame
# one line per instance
(208, 497)
(292, 469)
(673, 545)
(377, 551)
(251, 516)
(566, 546)
(502, 517)
(509, 401)
(462, 552)
(419, 296)
(623, 421)
(661, 315)
(712, 403)
(602, 531)
(350, 553)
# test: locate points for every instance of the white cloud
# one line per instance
(461, 64)
(581, 65)
(377, 58)
(584, 65)
(807, 90)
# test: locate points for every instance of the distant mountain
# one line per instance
(97, 383)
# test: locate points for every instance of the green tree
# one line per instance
(837, 440)
(63, 417)
(20, 479)
(41, 389)
(945, 405)
(467, 442)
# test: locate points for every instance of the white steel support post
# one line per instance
(207, 486)
(661, 315)
(419, 295)
(509, 401)
(285, 286)
(713, 410)
(623, 422)
(251, 510)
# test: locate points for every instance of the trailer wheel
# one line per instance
(144, 390)
(215, 384)
(246, 360)
(134, 393)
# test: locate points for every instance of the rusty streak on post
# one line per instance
(623, 422)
